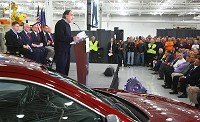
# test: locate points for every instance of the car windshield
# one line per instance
(73, 83)
(109, 100)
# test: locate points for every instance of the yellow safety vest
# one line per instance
(151, 49)
(94, 46)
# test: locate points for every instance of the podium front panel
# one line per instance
(81, 62)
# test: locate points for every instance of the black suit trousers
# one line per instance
(62, 56)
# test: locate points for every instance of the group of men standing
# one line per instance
(128, 52)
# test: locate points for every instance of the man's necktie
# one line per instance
(46, 37)
(51, 37)
(29, 36)
(38, 37)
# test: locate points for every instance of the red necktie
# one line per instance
(29, 36)
(51, 37)
(167, 59)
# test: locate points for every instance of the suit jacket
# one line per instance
(62, 33)
(12, 40)
(187, 69)
(193, 76)
(35, 39)
(25, 38)
(109, 46)
(43, 38)
(169, 59)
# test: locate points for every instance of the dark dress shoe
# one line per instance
(163, 85)
(166, 87)
(160, 78)
(154, 73)
(182, 96)
(174, 92)
(196, 105)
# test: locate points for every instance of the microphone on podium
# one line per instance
(77, 26)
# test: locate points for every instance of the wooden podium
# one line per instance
(82, 59)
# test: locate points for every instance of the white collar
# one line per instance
(25, 32)
(66, 21)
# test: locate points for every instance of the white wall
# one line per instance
(138, 26)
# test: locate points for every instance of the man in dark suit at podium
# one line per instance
(62, 42)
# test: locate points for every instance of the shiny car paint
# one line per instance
(158, 109)
(15, 67)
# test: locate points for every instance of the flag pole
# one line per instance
(34, 10)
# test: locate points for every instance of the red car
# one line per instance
(31, 93)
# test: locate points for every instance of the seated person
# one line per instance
(167, 61)
(192, 92)
(192, 78)
(14, 42)
(47, 42)
(184, 72)
(169, 69)
(36, 42)
(158, 60)
(36, 53)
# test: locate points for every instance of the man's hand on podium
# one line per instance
(76, 38)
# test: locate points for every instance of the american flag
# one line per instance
(42, 17)
(38, 20)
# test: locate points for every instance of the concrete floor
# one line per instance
(96, 78)
(149, 81)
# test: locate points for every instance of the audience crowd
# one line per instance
(175, 60)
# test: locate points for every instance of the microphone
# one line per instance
(77, 26)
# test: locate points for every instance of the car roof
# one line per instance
(14, 62)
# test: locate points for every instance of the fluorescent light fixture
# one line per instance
(65, 117)
(20, 116)
(123, 13)
(192, 13)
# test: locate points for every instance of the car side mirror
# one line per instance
(112, 118)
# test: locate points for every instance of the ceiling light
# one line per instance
(191, 13)
(65, 117)
(123, 13)
(20, 116)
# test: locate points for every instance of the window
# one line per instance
(21, 101)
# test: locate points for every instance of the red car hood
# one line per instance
(157, 108)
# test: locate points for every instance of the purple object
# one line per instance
(133, 85)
